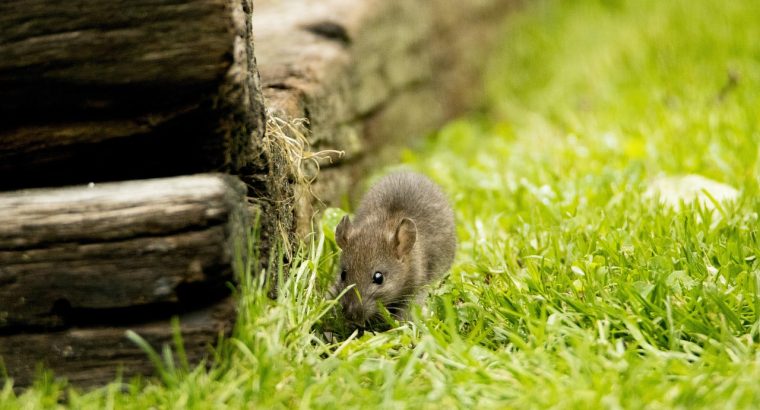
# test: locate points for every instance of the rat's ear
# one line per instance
(404, 237)
(341, 232)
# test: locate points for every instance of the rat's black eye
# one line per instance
(377, 278)
(343, 275)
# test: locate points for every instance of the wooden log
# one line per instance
(95, 355)
(369, 76)
(83, 254)
(100, 90)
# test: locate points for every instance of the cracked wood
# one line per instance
(92, 356)
(116, 245)
(99, 90)
(370, 75)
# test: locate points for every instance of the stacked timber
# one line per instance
(80, 266)
(96, 96)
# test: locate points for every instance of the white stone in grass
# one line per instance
(671, 191)
(578, 271)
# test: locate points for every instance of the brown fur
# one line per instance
(404, 228)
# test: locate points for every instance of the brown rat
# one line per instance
(401, 239)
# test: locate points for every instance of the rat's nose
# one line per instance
(352, 316)
(353, 313)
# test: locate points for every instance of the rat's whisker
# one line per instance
(408, 297)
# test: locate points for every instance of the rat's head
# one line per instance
(378, 259)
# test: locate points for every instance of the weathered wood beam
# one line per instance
(370, 75)
(68, 253)
(99, 90)
(95, 355)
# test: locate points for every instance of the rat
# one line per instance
(401, 239)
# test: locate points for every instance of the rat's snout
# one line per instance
(354, 316)
(353, 310)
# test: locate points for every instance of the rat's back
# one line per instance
(412, 195)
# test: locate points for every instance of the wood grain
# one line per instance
(109, 56)
(90, 356)
(65, 253)
(370, 76)
(101, 90)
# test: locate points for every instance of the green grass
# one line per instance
(570, 289)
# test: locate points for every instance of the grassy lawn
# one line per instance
(571, 288)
